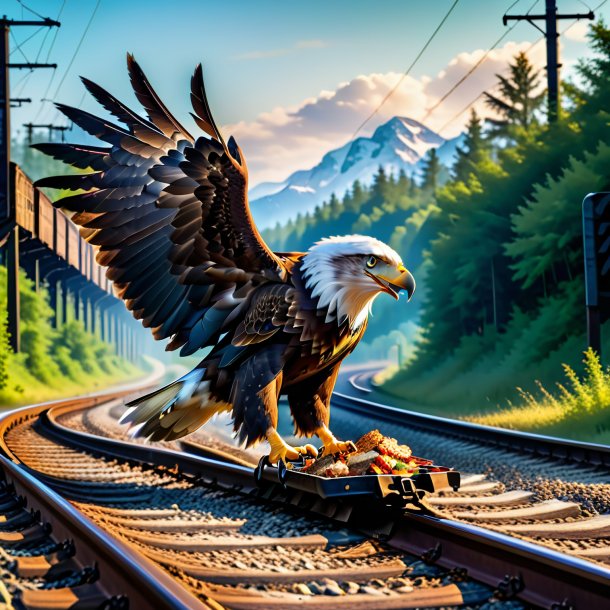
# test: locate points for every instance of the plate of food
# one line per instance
(377, 465)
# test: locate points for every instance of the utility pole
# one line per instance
(8, 228)
(31, 126)
(550, 17)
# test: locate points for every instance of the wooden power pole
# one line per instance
(8, 228)
(550, 17)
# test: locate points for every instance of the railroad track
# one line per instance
(52, 556)
(203, 525)
(552, 490)
(589, 454)
(564, 525)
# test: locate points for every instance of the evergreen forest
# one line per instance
(496, 249)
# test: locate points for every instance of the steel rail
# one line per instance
(538, 575)
(515, 440)
(123, 571)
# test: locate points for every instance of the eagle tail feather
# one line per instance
(173, 411)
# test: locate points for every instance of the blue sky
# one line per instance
(276, 57)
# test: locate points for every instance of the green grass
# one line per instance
(53, 363)
(503, 379)
(24, 388)
(579, 408)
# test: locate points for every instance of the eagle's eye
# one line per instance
(371, 261)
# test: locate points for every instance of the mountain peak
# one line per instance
(398, 144)
(408, 131)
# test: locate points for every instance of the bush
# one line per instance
(52, 362)
(579, 408)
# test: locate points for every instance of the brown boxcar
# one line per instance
(73, 242)
(84, 260)
(61, 223)
(23, 193)
(45, 218)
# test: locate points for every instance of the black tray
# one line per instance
(393, 489)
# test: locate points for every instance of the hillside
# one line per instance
(398, 145)
(498, 252)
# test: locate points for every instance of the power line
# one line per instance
(24, 82)
(477, 64)
(407, 71)
(532, 45)
(476, 99)
(18, 47)
(61, 10)
(44, 39)
(45, 96)
(78, 46)
(27, 8)
(20, 44)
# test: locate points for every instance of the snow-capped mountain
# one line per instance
(398, 144)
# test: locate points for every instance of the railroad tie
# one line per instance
(29, 535)
(479, 488)
(141, 513)
(392, 568)
(550, 509)
(471, 479)
(596, 554)
(435, 597)
(39, 566)
(226, 543)
(508, 498)
(190, 526)
(596, 527)
(67, 598)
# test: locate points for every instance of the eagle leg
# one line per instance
(331, 444)
(280, 450)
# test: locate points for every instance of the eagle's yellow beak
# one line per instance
(394, 279)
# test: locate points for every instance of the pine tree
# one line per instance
(334, 207)
(412, 186)
(359, 196)
(473, 151)
(594, 71)
(403, 182)
(430, 170)
(516, 102)
(380, 184)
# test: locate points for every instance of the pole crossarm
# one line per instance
(531, 18)
(46, 22)
(25, 66)
(17, 102)
(46, 126)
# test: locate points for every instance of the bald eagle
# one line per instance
(169, 216)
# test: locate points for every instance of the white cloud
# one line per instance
(578, 31)
(297, 46)
(283, 140)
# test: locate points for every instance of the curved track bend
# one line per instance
(209, 538)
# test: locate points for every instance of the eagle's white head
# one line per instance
(347, 273)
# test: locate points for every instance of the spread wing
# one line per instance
(169, 213)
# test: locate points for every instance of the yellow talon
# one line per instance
(308, 449)
(331, 444)
(280, 450)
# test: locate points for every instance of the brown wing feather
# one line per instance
(170, 216)
(203, 116)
